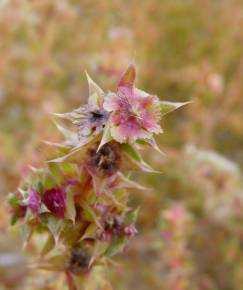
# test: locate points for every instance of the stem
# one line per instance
(70, 281)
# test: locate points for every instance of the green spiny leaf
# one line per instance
(117, 245)
(90, 232)
(106, 137)
(48, 246)
(131, 216)
(70, 207)
(95, 92)
(137, 158)
(167, 107)
(55, 226)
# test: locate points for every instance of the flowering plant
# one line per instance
(80, 199)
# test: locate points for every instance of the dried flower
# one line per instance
(54, 200)
(92, 117)
(79, 260)
(90, 120)
(113, 225)
(134, 113)
(106, 161)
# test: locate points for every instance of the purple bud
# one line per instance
(54, 200)
(130, 230)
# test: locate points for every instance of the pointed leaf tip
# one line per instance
(68, 135)
(95, 92)
(67, 116)
(128, 77)
(151, 142)
(167, 107)
(106, 137)
(70, 207)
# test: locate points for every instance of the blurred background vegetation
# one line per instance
(190, 224)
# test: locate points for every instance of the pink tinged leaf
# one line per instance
(70, 281)
(99, 184)
(72, 182)
(128, 77)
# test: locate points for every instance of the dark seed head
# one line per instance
(79, 260)
(112, 225)
(106, 161)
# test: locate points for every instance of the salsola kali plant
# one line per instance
(79, 200)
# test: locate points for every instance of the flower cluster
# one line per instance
(80, 199)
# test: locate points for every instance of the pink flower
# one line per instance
(130, 230)
(55, 199)
(134, 113)
(176, 214)
(34, 202)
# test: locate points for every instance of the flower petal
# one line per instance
(128, 132)
(111, 102)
